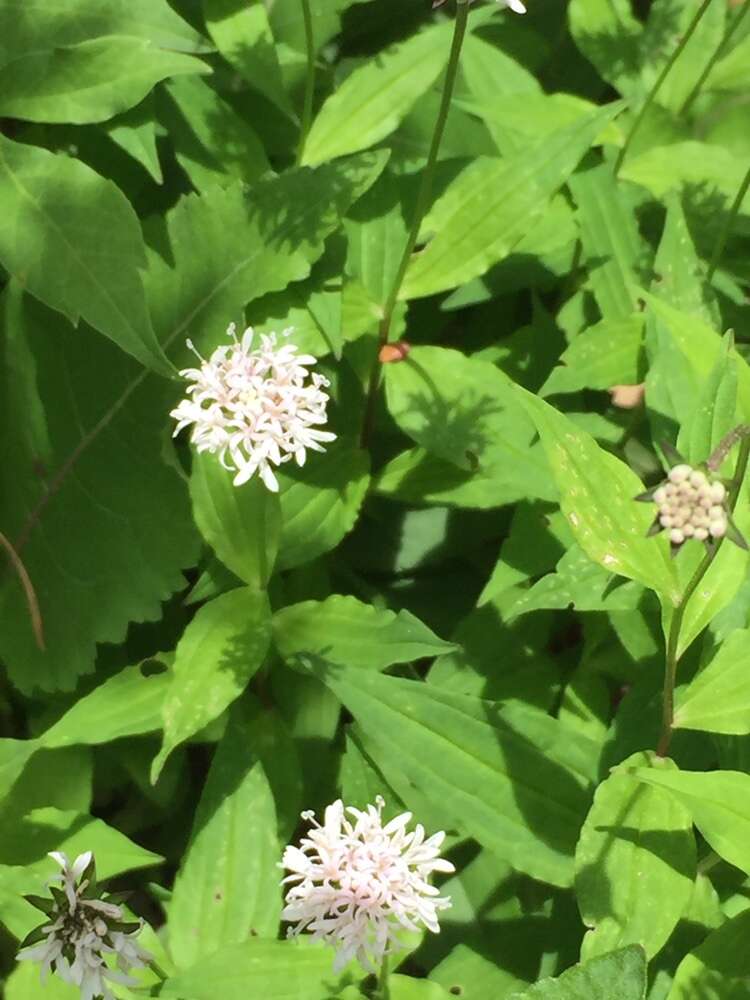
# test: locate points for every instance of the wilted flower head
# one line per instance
(357, 882)
(255, 408)
(82, 927)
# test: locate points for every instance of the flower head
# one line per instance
(82, 927)
(256, 408)
(357, 882)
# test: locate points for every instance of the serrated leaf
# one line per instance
(73, 240)
(227, 888)
(218, 654)
(492, 204)
(274, 970)
(241, 523)
(465, 412)
(635, 863)
(719, 802)
(718, 969)
(620, 975)
(106, 546)
(375, 97)
(506, 774)
(89, 82)
(597, 492)
(718, 699)
(204, 279)
(320, 503)
(344, 630)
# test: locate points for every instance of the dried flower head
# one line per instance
(357, 882)
(255, 408)
(83, 926)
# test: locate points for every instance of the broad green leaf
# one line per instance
(719, 802)
(200, 279)
(274, 970)
(89, 82)
(478, 976)
(493, 203)
(242, 33)
(346, 631)
(227, 888)
(719, 967)
(377, 231)
(465, 412)
(508, 775)
(620, 975)
(74, 242)
(212, 143)
(635, 863)
(609, 35)
(24, 983)
(407, 988)
(375, 97)
(597, 492)
(108, 544)
(607, 354)
(25, 29)
(320, 503)
(718, 699)
(240, 523)
(611, 242)
(713, 412)
(219, 652)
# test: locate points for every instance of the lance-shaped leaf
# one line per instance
(718, 699)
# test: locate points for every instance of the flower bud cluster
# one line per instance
(691, 505)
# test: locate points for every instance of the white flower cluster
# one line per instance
(357, 882)
(80, 931)
(255, 408)
(691, 506)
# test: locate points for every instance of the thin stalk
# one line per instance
(659, 81)
(420, 207)
(726, 228)
(309, 79)
(383, 991)
(673, 640)
(28, 589)
(720, 50)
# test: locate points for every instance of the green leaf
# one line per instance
(733, 71)
(320, 503)
(611, 242)
(200, 280)
(375, 97)
(718, 699)
(242, 33)
(135, 132)
(218, 654)
(493, 203)
(465, 412)
(274, 970)
(610, 37)
(720, 805)
(635, 863)
(621, 975)
(227, 888)
(343, 630)
(406, 988)
(105, 544)
(240, 523)
(713, 412)
(74, 242)
(24, 983)
(607, 354)
(508, 775)
(597, 492)
(680, 274)
(88, 82)
(719, 968)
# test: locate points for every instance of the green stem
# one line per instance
(673, 640)
(309, 80)
(659, 81)
(720, 50)
(382, 991)
(420, 207)
(727, 225)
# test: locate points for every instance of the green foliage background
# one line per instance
(462, 612)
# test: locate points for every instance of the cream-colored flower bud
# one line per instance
(717, 529)
(666, 521)
(676, 536)
(697, 478)
(701, 534)
(688, 530)
(679, 473)
(718, 492)
(660, 495)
